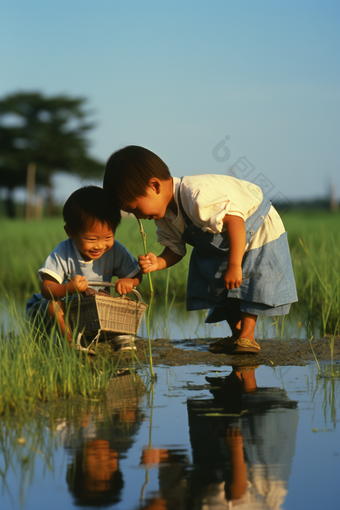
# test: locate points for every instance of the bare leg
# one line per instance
(248, 380)
(238, 484)
(246, 326)
(234, 319)
(56, 310)
(245, 342)
(235, 326)
(242, 325)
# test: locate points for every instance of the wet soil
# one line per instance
(195, 352)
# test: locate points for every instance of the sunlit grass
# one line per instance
(313, 236)
(37, 366)
(314, 240)
(24, 248)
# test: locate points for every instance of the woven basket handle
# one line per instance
(109, 284)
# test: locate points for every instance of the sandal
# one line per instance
(245, 346)
(222, 345)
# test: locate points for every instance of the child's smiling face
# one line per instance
(93, 240)
(153, 205)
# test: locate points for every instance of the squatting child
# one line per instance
(240, 266)
(89, 254)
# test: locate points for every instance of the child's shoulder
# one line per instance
(119, 256)
(206, 179)
(64, 247)
(209, 183)
(118, 248)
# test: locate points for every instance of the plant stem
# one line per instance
(316, 359)
(149, 308)
(145, 252)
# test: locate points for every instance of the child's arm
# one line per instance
(237, 240)
(125, 285)
(51, 289)
(151, 262)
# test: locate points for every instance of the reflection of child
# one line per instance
(101, 464)
(95, 477)
(98, 437)
(240, 266)
(238, 484)
(89, 253)
(244, 455)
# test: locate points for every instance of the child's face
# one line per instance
(152, 206)
(93, 240)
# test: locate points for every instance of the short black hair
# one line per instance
(88, 205)
(128, 172)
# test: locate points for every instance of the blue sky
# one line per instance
(179, 76)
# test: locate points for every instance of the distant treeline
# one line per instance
(316, 203)
(20, 210)
(292, 205)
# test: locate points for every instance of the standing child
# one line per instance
(89, 253)
(240, 266)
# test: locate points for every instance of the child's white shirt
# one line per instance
(206, 199)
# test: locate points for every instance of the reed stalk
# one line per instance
(147, 478)
(316, 359)
(147, 318)
(145, 252)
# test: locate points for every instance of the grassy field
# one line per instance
(314, 239)
(35, 369)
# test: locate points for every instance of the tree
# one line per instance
(50, 132)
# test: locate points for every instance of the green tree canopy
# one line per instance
(48, 131)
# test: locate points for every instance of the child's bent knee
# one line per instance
(55, 309)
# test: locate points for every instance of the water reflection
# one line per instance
(93, 474)
(243, 442)
(171, 464)
(235, 448)
(172, 467)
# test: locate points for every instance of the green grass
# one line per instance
(314, 240)
(34, 369)
(24, 248)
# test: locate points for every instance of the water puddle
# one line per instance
(199, 438)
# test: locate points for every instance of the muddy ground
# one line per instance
(195, 352)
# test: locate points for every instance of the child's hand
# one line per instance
(148, 263)
(124, 285)
(233, 277)
(77, 284)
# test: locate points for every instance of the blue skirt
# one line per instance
(268, 283)
(234, 306)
